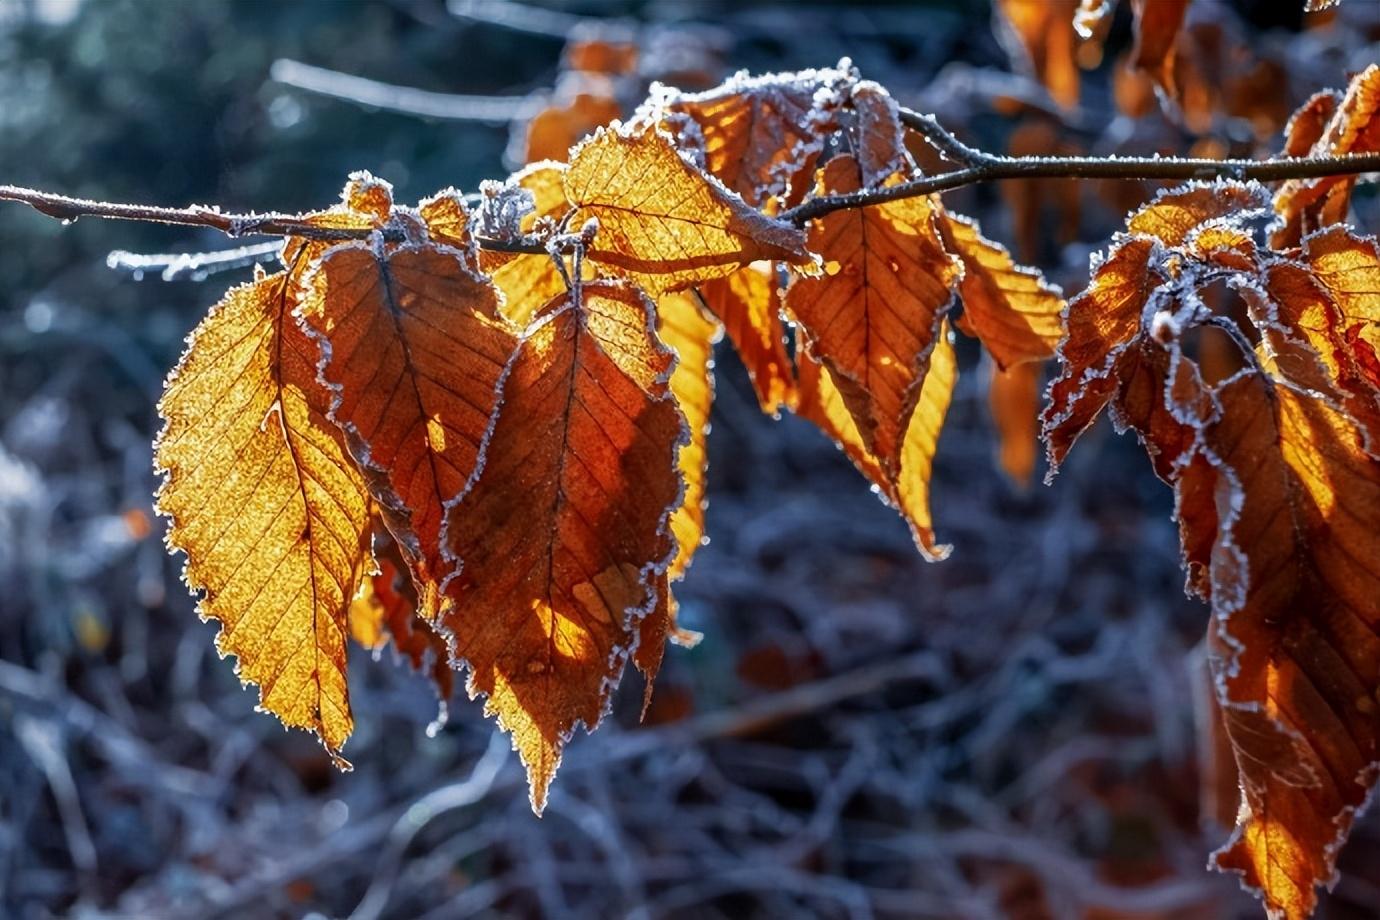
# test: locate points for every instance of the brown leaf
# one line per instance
(1305, 205)
(413, 350)
(1157, 31)
(908, 489)
(1044, 29)
(564, 537)
(872, 317)
(266, 504)
(1010, 308)
(662, 222)
(1295, 614)
(748, 303)
(386, 608)
(879, 138)
(760, 132)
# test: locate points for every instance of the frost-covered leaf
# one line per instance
(564, 538)
(873, 315)
(663, 222)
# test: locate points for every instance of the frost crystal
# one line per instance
(502, 206)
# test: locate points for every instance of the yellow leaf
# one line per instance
(266, 504)
(687, 331)
(662, 222)
(748, 302)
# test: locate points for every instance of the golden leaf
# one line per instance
(908, 489)
(564, 535)
(690, 334)
(266, 504)
(662, 222)
(1305, 205)
(1157, 31)
(760, 132)
(1013, 399)
(1010, 308)
(1044, 29)
(530, 281)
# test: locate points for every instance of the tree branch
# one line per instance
(68, 209)
(975, 166)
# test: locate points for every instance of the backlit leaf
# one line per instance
(564, 538)
(266, 504)
(760, 132)
(1157, 31)
(683, 326)
(1010, 308)
(1013, 399)
(873, 315)
(1044, 30)
(1305, 205)
(662, 222)
(748, 303)
(413, 349)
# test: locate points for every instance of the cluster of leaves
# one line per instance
(476, 429)
(521, 434)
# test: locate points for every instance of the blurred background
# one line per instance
(1007, 734)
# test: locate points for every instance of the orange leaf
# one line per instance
(1305, 205)
(413, 350)
(1295, 614)
(385, 610)
(760, 132)
(683, 326)
(564, 535)
(578, 107)
(662, 222)
(1044, 29)
(748, 302)
(871, 318)
(908, 490)
(1157, 31)
(1016, 314)
(1013, 398)
(266, 504)
(880, 141)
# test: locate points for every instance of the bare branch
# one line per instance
(174, 266)
(496, 110)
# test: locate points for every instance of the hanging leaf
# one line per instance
(683, 326)
(1157, 32)
(1305, 205)
(1010, 308)
(1013, 398)
(265, 503)
(872, 316)
(564, 536)
(759, 132)
(748, 303)
(413, 348)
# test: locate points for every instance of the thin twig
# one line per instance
(495, 110)
(69, 209)
(173, 266)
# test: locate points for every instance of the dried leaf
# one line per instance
(1157, 31)
(1044, 30)
(872, 317)
(564, 537)
(748, 303)
(266, 504)
(908, 490)
(1010, 308)
(760, 132)
(1305, 205)
(413, 350)
(879, 138)
(1295, 614)
(662, 222)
